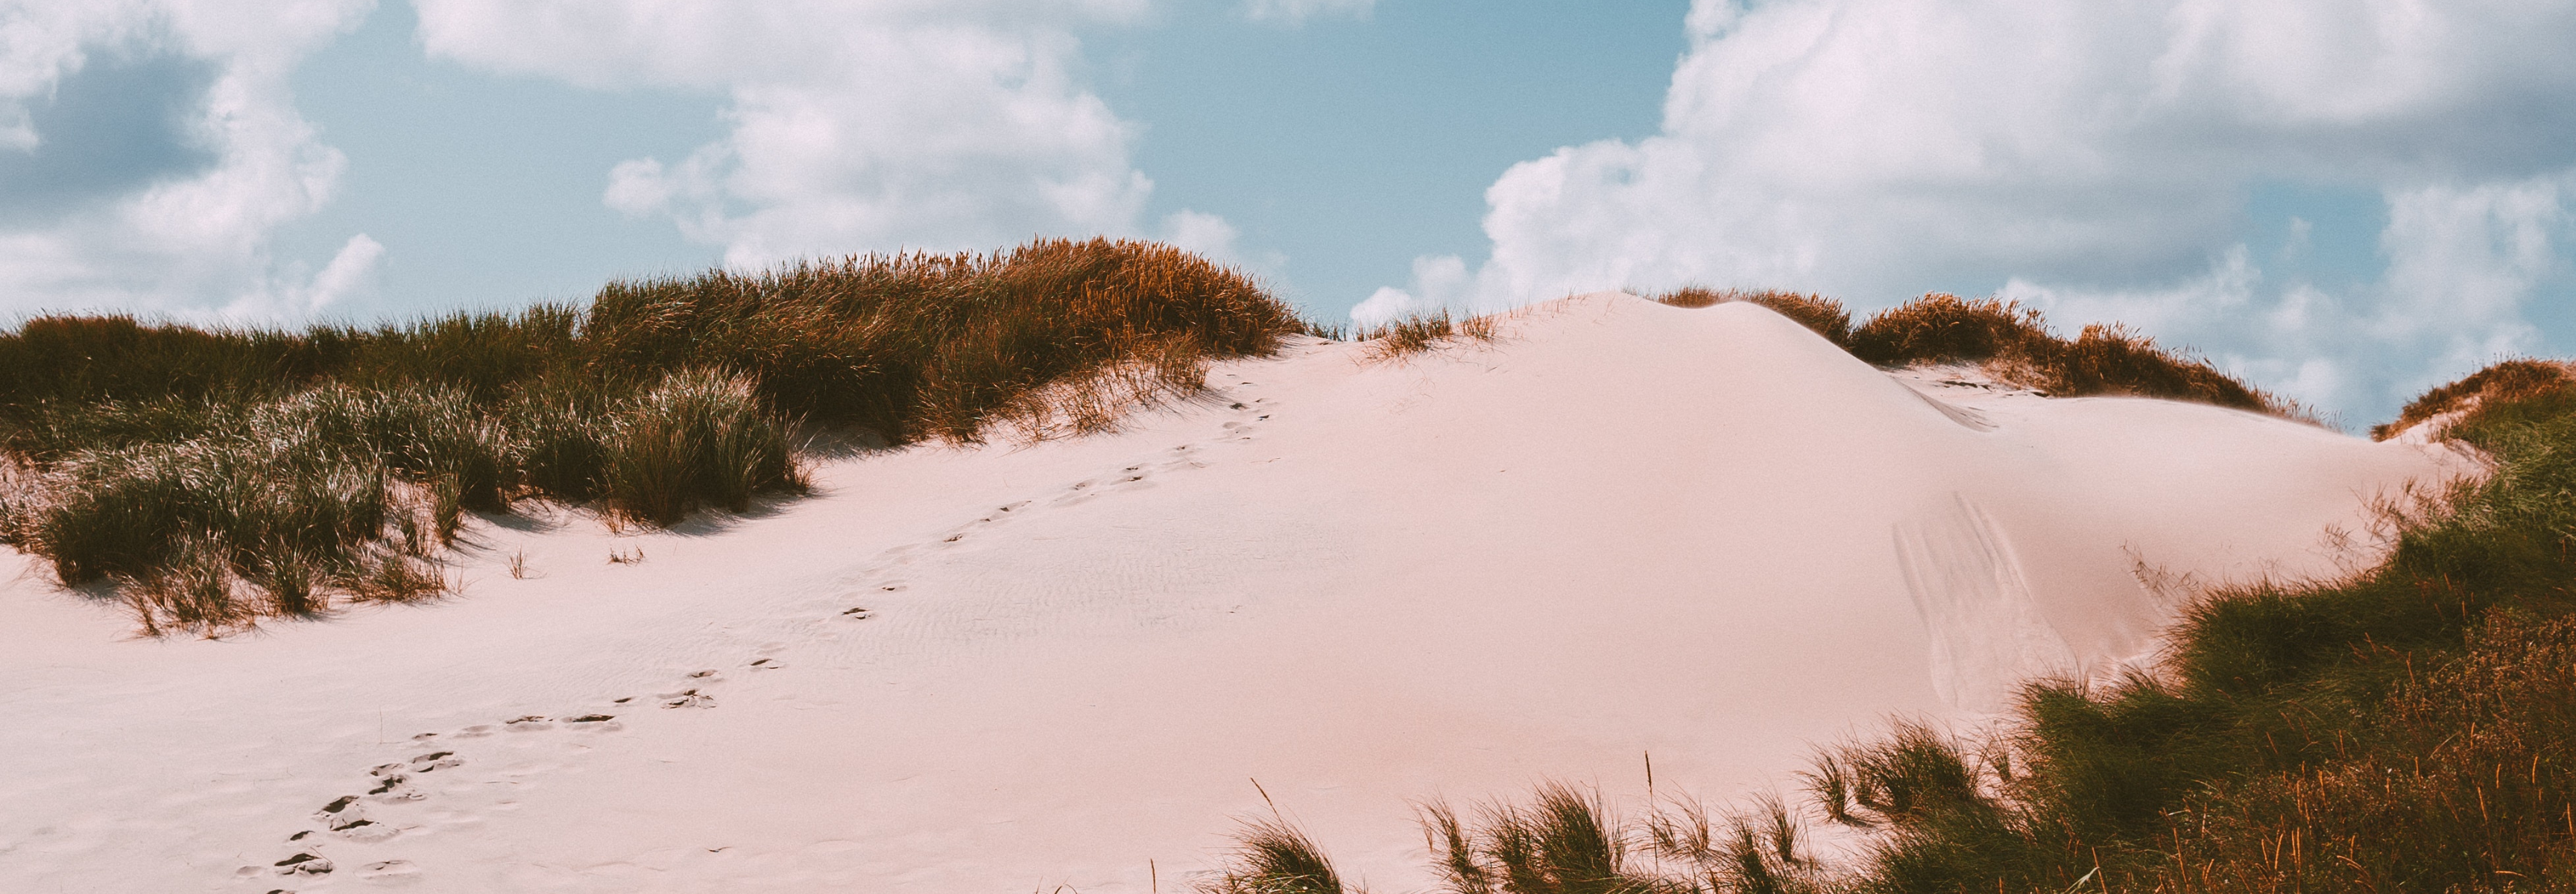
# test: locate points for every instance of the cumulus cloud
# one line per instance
(1439, 282)
(2463, 264)
(1295, 12)
(2096, 157)
(1205, 234)
(854, 126)
(296, 294)
(150, 148)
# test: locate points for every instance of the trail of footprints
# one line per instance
(350, 817)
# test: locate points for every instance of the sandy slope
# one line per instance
(1704, 534)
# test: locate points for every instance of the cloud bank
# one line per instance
(149, 149)
(2094, 160)
(869, 125)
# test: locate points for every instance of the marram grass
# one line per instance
(213, 477)
(2011, 342)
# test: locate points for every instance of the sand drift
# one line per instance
(1622, 529)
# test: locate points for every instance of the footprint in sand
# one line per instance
(369, 831)
(389, 871)
(347, 817)
(1133, 478)
(1079, 493)
(305, 863)
(958, 534)
(435, 761)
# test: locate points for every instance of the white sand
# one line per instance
(1627, 528)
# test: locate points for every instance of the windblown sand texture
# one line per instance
(1620, 529)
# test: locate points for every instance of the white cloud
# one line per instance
(855, 126)
(297, 294)
(1216, 239)
(199, 238)
(352, 271)
(1440, 282)
(1204, 234)
(2098, 153)
(2463, 265)
(1295, 12)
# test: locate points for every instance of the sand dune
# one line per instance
(1621, 529)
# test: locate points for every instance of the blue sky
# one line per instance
(1340, 147)
(2344, 201)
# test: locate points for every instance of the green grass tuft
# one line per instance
(1273, 856)
(697, 438)
(1567, 841)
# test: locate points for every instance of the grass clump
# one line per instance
(1565, 840)
(2412, 728)
(915, 346)
(213, 477)
(1273, 856)
(1824, 316)
(1419, 334)
(697, 438)
(2015, 344)
(2504, 382)
(2012, 342)
(1940, 328)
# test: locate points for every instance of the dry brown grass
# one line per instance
(2013, 343)
(2115, 360)
(945, 346)
(1940, 328)
(1094, 402)
(2503, 382)
(1416, 335)
(1825, 316)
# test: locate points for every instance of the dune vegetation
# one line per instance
(2012, 343)
(2498, 385)
(1397, 339)
(211, 477)
(2411, 727)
